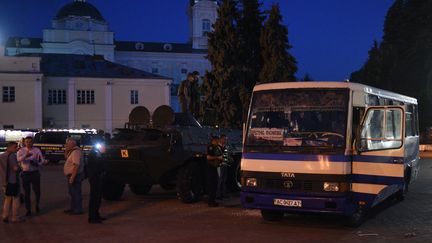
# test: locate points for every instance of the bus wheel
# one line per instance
(401, 194)
(272, 215)
(356, 219)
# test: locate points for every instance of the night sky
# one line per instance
(330, 38)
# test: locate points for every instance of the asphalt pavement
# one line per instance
(160, 217)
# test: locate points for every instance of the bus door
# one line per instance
(378, 166)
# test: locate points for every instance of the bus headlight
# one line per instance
(251, 182)
(331, 186)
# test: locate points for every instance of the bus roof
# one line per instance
(337, 84)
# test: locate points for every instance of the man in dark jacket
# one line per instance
(95, 171)
(214, 159)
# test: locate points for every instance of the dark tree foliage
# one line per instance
(403, 61)
(250, 59)
(223, 55)
(307, 78)
(371, 72)
(278, 64)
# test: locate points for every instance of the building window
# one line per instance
(85, 97)
(56, 97)
(206, 26)
(184, 70)
(134, 97)
(8, 94)
(155, 70)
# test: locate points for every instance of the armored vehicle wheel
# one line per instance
(112, 190)
(140, 189)
(272, 215)
(189, 183)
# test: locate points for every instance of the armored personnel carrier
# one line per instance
(166, 148)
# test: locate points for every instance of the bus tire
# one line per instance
(272, 215)
(356, 219)
(401, 194)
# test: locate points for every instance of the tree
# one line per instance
(278, 64)
(371, 72)
(307, 78)
(223, 55)
(250, 59)
(403, 61)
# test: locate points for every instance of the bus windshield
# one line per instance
(297, 120)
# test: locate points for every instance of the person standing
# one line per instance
(194, 106)
(73, 170)
(95, 172)
(9, 175)
(30, 159)
(214, 159)
(184, 93)
(226, 161)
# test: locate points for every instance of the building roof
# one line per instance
(79, 8)
(23, 42)
(157, 47)
(136, 46)
(73, 65)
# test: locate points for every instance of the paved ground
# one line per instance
(159, 217)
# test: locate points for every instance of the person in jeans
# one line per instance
(226, 162)
(30, 159)
(214, 159)
(74, 172)
(9, 176)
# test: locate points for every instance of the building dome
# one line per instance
(79, 8)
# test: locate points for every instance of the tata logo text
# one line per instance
(287, 175)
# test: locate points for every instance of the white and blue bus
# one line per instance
(327, 147)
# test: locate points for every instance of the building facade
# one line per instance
(79, 28)
(74, 91)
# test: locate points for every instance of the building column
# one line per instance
(71, 103)
(168, 92)
(38, 103)
(108, 107)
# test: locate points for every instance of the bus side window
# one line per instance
(409, 122)
(356, 119)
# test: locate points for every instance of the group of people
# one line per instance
(19, 169)
(218, 160)
(189, 94)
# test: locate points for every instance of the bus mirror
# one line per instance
(244, 132)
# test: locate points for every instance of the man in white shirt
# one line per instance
(74, 172)
(30, 159)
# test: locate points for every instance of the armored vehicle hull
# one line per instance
(172, 156)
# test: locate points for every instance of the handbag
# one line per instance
(12, 189)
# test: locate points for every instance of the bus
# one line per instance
(51, 142)
(327, 147)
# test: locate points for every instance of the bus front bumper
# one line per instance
(332, 204)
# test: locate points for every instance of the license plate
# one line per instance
(124, 153)
(287, 203)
